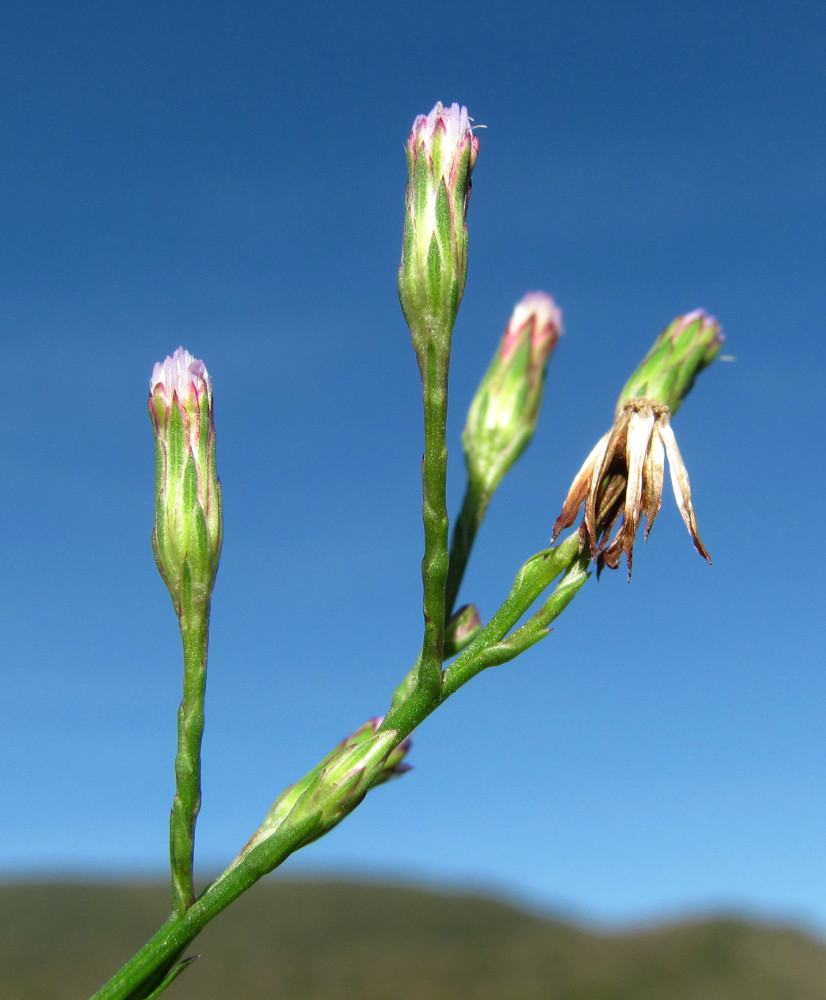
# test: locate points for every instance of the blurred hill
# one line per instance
(338, 940)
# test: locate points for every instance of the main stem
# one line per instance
(148, 967)
(436, 525)
(194, 623)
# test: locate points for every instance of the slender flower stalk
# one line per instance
(502, 418)
(441, 152)
(187, 545)
(622, 478)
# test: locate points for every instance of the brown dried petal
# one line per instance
(612, 500)
(681, 485)
(611, 555)
(615, 546)
(653, 480)
(614, 450)
(640, 429)
(579, 488)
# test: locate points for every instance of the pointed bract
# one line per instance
(684, 348)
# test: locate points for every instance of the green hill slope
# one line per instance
(335, 940)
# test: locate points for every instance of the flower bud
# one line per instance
(367, 759)
(188, 528)
(504, 412)
(361, 761)
(441, 152)
(462, 628)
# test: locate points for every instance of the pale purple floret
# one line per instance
(454, 121)
(178, 372)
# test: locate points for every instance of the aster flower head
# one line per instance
(622, 478)
(441, 153)
(188, 523)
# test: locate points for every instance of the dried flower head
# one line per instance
(622, 478)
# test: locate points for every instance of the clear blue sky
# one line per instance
(230, 177)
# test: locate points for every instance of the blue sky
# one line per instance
(231, 178)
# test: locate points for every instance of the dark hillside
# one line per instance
(335, 940)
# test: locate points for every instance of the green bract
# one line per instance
(667, 373)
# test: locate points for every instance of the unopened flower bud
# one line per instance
(392, 767)
(504, 412)
(462, 628)
(441, 152)
(361, 761)
(188, 527)
(369, 758)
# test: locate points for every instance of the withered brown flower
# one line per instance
(623, 478)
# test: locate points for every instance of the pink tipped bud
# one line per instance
(188, 523)
(441, 152)
(505, 410)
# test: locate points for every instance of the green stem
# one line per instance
(152, 964)
(526, 589)
(194, 624)
(148, 967)
(406, 713)
(474, 508)
(495, 646)
(436, 525)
